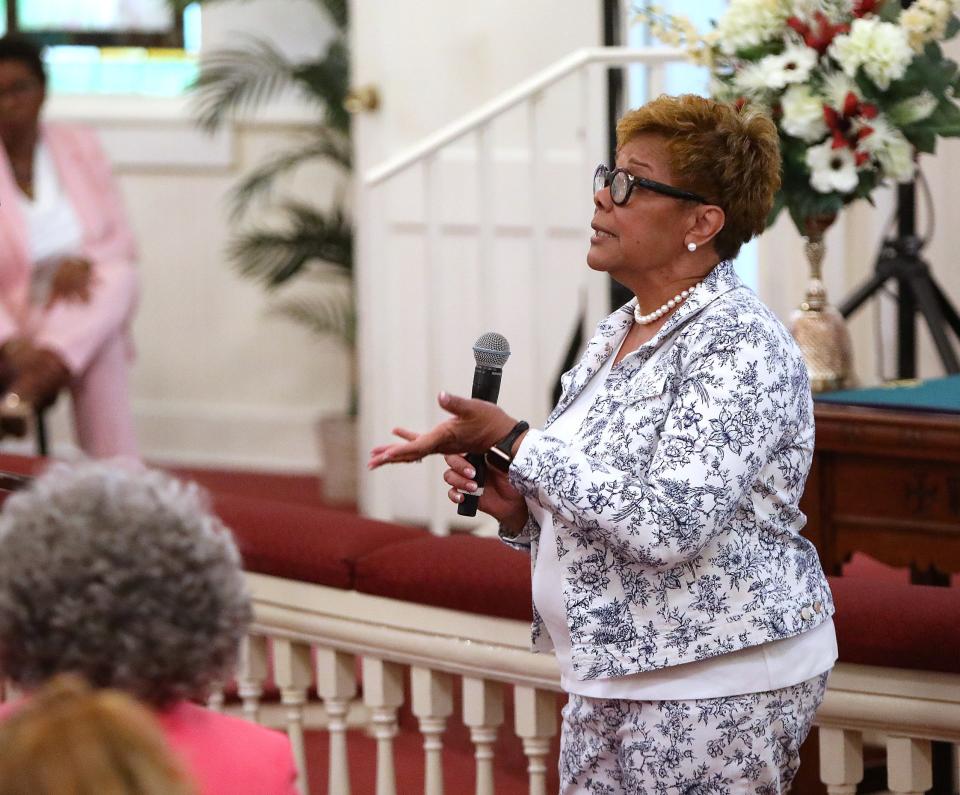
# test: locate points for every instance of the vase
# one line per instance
(820, 330)
(337, 438)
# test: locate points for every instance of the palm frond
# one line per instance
(274, 256)
(331, 312)
(238, 78)
(327, 81)
(259, 182)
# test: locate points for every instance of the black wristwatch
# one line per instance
(500, 456)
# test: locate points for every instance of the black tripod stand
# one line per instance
(917, 292)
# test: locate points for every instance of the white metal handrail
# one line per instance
(379, 315)
(609, 56)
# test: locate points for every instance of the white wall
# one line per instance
(216, 380)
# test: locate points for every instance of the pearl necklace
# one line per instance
(656, 314)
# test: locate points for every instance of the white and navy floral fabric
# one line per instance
(676, 507)
(716, 746)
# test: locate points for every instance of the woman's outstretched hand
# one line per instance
(499, 499)
(475, 426)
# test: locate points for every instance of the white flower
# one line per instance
(881, 48)
(793, 65)
(897, 160)
(832, 169)
(925, 20)
(891, 149)
(803, 114)
(913, 109)
(751, 80)
(747, 23)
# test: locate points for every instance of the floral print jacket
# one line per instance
(676, 508)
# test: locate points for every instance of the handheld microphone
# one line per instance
(491, 351)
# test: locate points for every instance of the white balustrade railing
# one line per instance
(482, 225)
(909, 708)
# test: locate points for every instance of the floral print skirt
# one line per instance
(715, 746)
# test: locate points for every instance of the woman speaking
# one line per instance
(690, 619)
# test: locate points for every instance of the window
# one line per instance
(111, 46)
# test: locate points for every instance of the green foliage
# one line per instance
(311, 239)
(311, 244)
(258, 184)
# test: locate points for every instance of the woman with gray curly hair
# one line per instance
(124, 577)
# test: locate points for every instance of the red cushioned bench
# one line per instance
(879, 622)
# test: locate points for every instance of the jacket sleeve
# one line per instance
(76, 331)
(521, 540)
(734, 409)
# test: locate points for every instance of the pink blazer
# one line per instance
(230, 756)
(75, 331)
(224, 755)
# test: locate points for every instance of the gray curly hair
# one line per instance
(120, 575)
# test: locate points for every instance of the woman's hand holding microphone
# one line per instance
(475, 427)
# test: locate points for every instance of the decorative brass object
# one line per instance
(362, 98)
(820, 330)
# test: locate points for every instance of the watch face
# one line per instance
(497, 460)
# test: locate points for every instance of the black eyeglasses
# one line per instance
(622, 183)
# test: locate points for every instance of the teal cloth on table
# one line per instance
(936, 394)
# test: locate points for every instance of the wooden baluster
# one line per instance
(909, 770)
(292, 673)
(337, 686)
(10, 691)
(383, 694)
(841, 760)
(483, 714)
(251, 673)
(215, 698)
(432, 700)
(535, 718)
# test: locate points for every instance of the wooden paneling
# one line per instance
(886, 482)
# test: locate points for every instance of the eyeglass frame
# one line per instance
(634, 181)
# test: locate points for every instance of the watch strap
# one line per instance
(500, 455)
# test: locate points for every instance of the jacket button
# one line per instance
(818, 606)
(806, 614)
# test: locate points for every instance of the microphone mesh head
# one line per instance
(491, 350)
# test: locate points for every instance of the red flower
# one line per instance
(821, 34)
(863, 7)
(841, 125)
(850, 104)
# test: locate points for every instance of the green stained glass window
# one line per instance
(110, 46)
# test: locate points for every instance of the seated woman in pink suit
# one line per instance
(123, 577)
(68, 286)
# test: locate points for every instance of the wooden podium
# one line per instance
(886, 480)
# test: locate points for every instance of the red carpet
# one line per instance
(510, 765)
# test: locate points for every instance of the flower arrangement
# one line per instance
(857, 88)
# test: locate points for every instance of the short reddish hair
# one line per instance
(730, 156)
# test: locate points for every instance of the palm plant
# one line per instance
(313, 244)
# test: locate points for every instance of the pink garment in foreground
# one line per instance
(228, 755)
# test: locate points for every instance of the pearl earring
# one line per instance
(691, 246)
